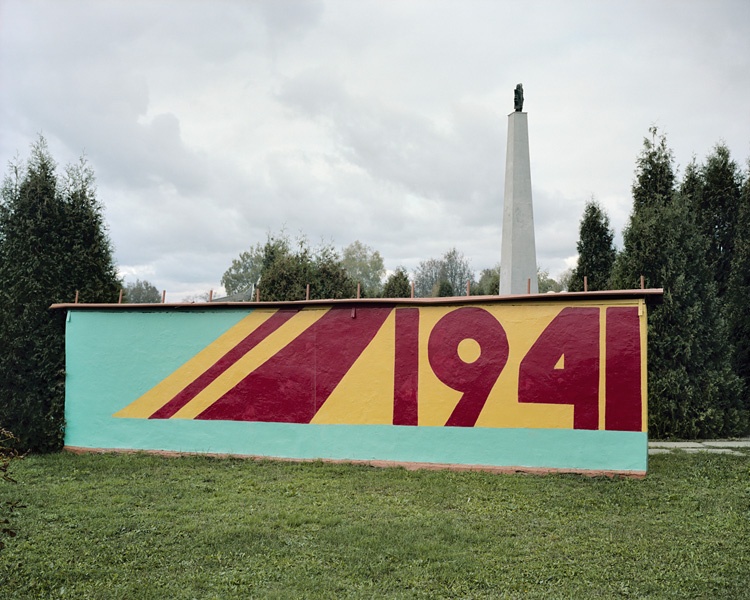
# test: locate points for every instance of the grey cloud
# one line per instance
(209, 123)
(291, 17)
(405, 148)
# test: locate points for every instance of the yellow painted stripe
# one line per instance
(365, 395)
(644, 363)
(172, 385)
(251, 361)
(602, 366)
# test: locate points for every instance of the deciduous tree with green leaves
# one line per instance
(453, 267)
(53, 242)
(141, 292)
(546, 283)
(365, 266)
(245, 270)
(564, 279)
(426, 276)
(489, 282)
(287, 271)
(457, 271)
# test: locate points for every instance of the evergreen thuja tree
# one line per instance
(52, 244)
(596, 250)
(716, 201)
(693, 391)
(655, 178)
(85, 239)
(397, 285)
(737, 300)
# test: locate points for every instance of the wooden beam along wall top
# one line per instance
(650, 295)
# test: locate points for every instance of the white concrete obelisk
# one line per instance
(518, 249)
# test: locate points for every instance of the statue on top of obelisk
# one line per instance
(518, 98)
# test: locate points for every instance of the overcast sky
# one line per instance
(210, 123)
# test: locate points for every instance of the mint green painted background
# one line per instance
(113, 357)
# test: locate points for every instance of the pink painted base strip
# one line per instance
(386, 464)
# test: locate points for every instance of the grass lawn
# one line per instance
(141, 526)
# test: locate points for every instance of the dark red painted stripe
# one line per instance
(198, 385)
(294, 383)
(406, 367)
(623, 387)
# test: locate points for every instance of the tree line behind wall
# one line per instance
(282, 268)
(692, 238)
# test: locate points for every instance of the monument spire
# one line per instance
(518, 249)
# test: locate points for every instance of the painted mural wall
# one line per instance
(534, 384)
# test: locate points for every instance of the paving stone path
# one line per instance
(739, 447)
